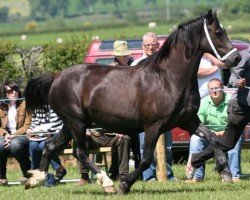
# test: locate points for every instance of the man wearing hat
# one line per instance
(121, 54)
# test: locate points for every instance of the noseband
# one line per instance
(213, 47)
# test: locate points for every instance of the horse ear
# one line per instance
(210, 17)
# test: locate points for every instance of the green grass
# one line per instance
(212, 188)
(114, 33)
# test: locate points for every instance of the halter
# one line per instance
(213, 47)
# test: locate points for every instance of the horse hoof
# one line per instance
(27, 186)
(37, 178)
(109, 189)
(123, 188)
(226, 177)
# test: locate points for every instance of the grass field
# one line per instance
(212, 188)
(114, 33)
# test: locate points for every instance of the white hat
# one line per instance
(121, 48)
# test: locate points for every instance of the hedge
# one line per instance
(21, 64)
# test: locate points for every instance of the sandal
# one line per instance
(60, 173)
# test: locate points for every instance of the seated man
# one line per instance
(44, 125)
(119, 142)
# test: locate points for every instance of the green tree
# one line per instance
(48, 8)
(4, 14)
(88, 4)
(236, 8)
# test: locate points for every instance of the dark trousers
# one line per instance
(238, 117)
(122, 146)
(135, 148)
(19, 148)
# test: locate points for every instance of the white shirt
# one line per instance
(12, 112)
(202, 82)
(136, 61)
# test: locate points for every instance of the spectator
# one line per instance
(150, 45)
(13, 125)
(118, 142)
(45, 123)
(121, 54)
(208, 69)
(213, 113)
(238, 115)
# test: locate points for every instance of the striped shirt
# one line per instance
(45, 122)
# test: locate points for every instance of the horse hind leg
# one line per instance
(53, 145)
(78, 131)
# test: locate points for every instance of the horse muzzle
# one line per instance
(233, 59)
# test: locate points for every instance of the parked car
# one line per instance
(101, 52)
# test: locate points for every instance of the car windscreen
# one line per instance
(105, 61)
(132, 44)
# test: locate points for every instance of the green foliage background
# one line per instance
(76, 21)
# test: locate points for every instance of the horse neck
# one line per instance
(181, 66)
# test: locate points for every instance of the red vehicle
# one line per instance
(101, 52)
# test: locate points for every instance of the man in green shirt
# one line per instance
(213, 113)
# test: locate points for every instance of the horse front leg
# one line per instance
(53, 145)
(215, 150)
(150, 140)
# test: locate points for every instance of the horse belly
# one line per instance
(121, 123)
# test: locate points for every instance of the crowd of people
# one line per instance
(23, 135)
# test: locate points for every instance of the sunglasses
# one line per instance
(215, 89)
(11, 90)
(152, 45)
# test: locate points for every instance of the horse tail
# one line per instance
(37, 92)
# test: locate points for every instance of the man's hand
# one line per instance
(88, 133)
(219, 133)
(7, 140)
(30, 133)
(242, 83)
(119, 136)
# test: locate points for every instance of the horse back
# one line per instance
(106, 94)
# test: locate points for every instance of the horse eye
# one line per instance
(218, 32)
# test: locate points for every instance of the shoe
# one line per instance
(60, 173)
(83, 182)
(3, 182)
(193, 181)
(23, 180)
(173, 179)
(50, 180)
(151, 180)
(190, 171)
(236, 179)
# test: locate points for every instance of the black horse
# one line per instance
(155, 96)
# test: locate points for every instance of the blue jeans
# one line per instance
(150, 173)
(198, 144)
(36, 148)
(19, 148)
(234, 159)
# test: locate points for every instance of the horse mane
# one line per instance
(185, 33)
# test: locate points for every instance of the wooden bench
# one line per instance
(93, 153)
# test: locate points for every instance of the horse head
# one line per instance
(217, 42)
